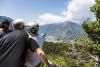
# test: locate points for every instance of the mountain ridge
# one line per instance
(62, 31)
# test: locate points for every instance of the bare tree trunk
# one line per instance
(96, 61)
(99, 61)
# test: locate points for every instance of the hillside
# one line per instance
(62, 31)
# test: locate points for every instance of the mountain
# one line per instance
(64, 31)
(10, 19)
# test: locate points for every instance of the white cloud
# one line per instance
(77, 10)
(48, 18)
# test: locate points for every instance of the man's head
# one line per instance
(18, 24)
(5, 21)
(4, 24)
(33, 27)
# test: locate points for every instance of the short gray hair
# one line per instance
(18, 23)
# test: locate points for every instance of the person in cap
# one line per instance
(14, 47)
(33, 60)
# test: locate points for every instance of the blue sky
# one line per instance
(30, 8)
(47, 11)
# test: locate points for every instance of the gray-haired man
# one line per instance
(14, 46)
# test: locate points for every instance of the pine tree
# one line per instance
(92, 28)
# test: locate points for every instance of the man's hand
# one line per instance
(40, 52)
(43, 57)
(44, 34)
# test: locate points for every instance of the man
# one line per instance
(4, 27)
(33, 60)
(14, 46)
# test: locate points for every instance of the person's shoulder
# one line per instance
(1, 32)
(17, 32)
(10, 30)
(41, 35)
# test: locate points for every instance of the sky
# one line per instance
(47, 11)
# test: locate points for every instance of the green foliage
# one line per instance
(63, 55)
(92, 48)
(55, 52)
(96, 9)
(93, 30)
(55, 48)
(93, 27)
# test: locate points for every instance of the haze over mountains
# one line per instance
(62, 31)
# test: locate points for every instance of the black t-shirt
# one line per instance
(13, 48)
